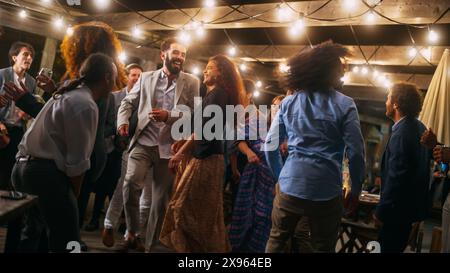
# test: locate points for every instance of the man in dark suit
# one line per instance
(21, 57)
(405, 170)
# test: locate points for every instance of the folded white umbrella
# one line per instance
(436, 106)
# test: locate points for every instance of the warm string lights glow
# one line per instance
(196, 71)
(102, 4)
(370, 18)
(232, 51)
(284, 12)
(69, 31)
(23, 14)
(380, 79)
(58, 23)
(137, 32)
(433, 37)
(209, 3)
(123, 57)
(283, 68)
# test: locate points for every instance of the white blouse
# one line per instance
(64, 131)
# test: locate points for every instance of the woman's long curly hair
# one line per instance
(230, 80)
(316, 69)
(87, 38)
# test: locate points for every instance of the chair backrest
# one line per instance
(436, 240)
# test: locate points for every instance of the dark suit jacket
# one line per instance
(405, 174)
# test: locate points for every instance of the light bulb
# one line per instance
(364, 70)
(23, 14)
(370, 17)
(69, 31)
(284, 68)
(209, 3)
(196, 71)
(58, 23)
(433, 37)
(102, 4)
(184, 37)
(412, 52)
(232, 51)
(123, 57)
(284, 13)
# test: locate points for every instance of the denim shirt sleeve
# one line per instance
(276, 135)
(354, 148)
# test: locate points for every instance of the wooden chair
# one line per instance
(436, 240)
(416, 237)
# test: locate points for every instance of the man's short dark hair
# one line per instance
(15, 49)
(133, 66)
(407, 98)
(165, 45)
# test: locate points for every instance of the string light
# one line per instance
(284, 13)
(123, 57)
(232, 51)
(345, 78)
(284, 68)
(243, 67)
(58, 23)
(370, 17)
(433, 37)
(350, 5)
(297, 27)
(69, 31)
(23, 14)
(364, 70)
(387, 83)
(209, 3)
(256, 93)
(426, 52)
(355, 69)
(196, 71)
(137, 32)
(259, 84)
(412, 52)
(184, 37)
(102, 4)
(200, 30)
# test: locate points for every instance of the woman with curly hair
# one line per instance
(88, 38)
(194, 219)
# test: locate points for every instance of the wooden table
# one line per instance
(11, 209)
(11, 212)
(361, 230)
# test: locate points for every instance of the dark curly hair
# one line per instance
(230, 80)
(87, 38)
(408, 98)
(316, 69)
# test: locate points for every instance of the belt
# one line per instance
(28, 158)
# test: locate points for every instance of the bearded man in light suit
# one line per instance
(156, 96)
